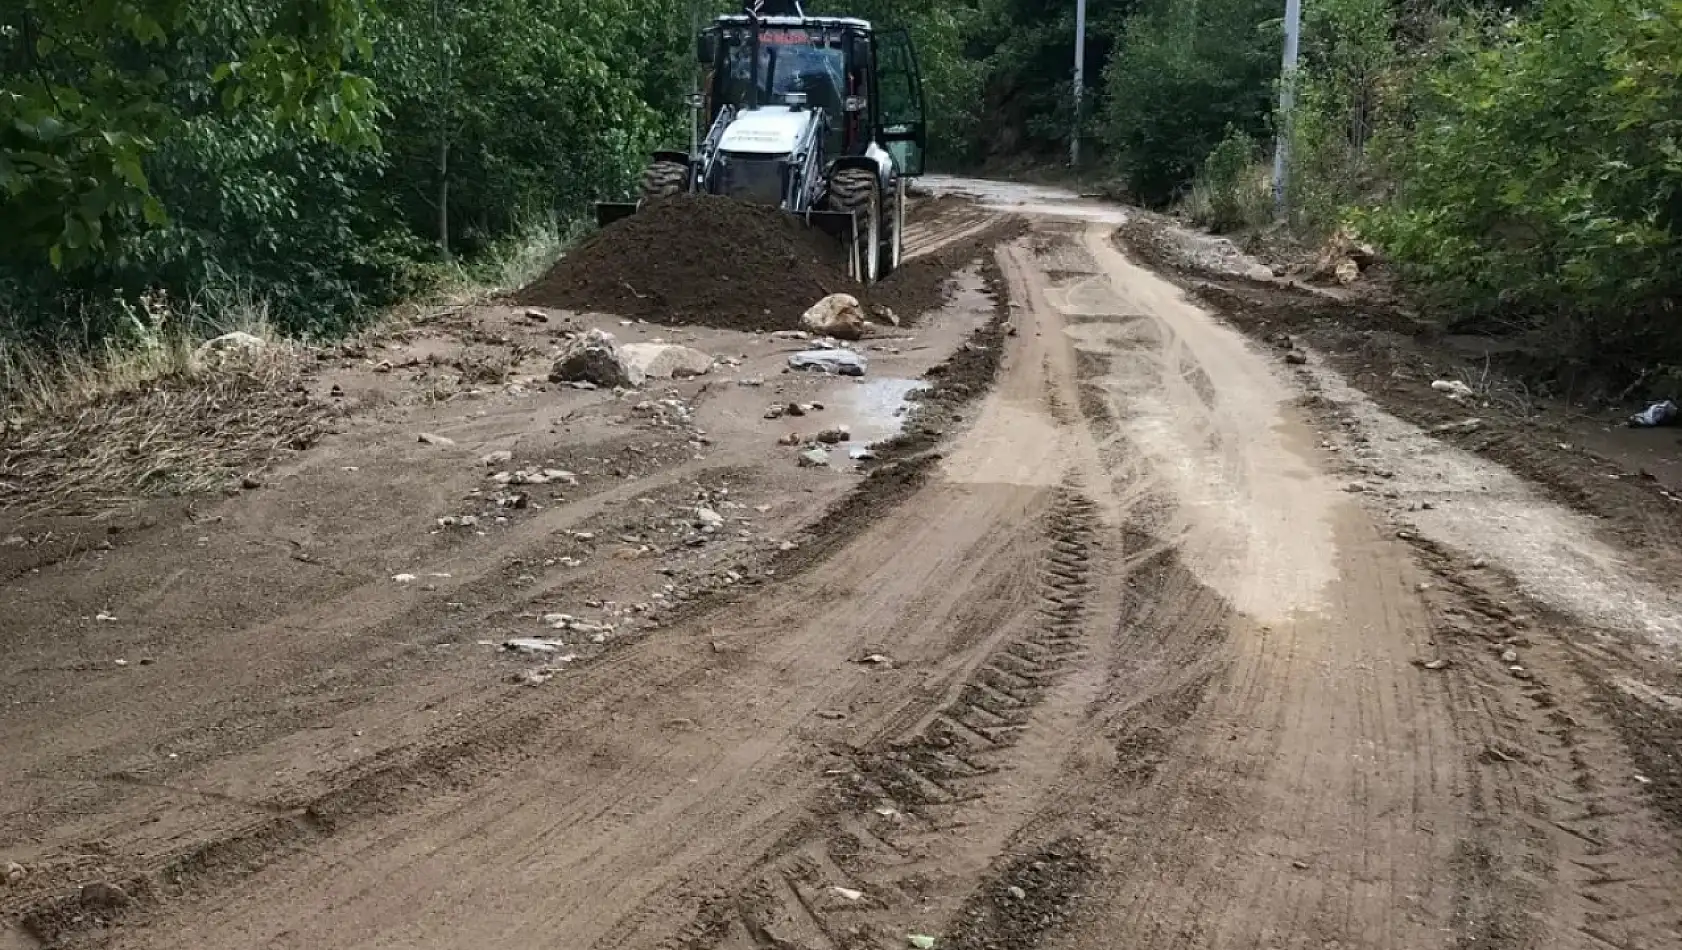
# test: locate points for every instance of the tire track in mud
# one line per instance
(865, 872)
(1563, 850)
(1165, 654)
(475, 746)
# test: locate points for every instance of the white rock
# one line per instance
(228, 348)
(15, 873)
(499, 457)
(403, 578)
(837, 315)
(709, 518)
(814, 458)
(665, 360)
(1452, 388)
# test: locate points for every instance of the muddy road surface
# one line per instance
(1136, 635)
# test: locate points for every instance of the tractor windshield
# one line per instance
(788, 62)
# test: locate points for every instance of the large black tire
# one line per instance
(857, 190)
(662, 179)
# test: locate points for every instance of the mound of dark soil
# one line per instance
(699, 259)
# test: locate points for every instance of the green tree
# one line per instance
(1542, 175)
(1183, 75)
(86, 100)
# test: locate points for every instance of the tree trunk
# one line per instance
(444, 192)
(445, 95)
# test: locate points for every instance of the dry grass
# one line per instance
(87, 432)
(1225, 207)
(138, 416)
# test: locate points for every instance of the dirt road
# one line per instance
(1120, 662)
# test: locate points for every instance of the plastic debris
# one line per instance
(1658, 414)
(532, 645)
(1452, 388)
(839, 362)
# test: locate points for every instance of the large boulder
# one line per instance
(665, 360)
(594, 357)
(837, 315)
(235, 347)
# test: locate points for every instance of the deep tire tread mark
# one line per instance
(922, 780)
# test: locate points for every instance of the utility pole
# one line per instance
(1287, 106)
(1080, 80)
(446, 60)
(698, 71)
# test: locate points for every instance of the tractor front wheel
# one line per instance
(857, 190)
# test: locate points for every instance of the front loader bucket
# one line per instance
(841, 226)
(608, 212)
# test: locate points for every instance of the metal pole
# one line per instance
(1287, 105)
(1080, 80)
(695, 70)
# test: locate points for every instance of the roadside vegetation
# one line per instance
(315, 159)
(306, 163)
(1518, 165)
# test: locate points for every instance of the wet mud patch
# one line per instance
(955, 382)
(1394, 358)
(902, 466)
(924, 283)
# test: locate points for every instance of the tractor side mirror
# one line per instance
(706, 48)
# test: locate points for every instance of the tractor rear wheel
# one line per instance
(858, 191)
(663, 178)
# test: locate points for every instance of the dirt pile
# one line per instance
(699, 259)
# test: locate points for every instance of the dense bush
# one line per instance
(319, 156)
(1542, 175)
(1232, 190)
(325, 156)
(1184, 75)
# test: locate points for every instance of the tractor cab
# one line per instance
(864, 81)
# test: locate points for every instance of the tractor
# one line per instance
(819, 116)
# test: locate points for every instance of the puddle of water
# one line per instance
(876, 408)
